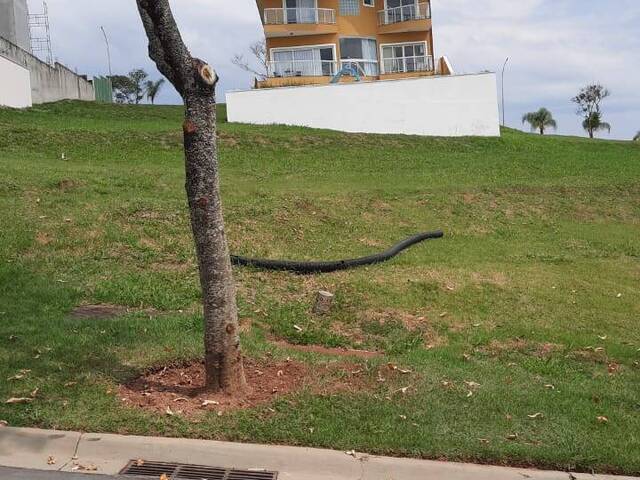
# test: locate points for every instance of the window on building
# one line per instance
(361, 53)
(368, 3)
(349, 7)
(302, 62)
(409, 57)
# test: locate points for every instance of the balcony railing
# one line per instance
(423, 63)
(416, 11)
(284, 16)
(365, 68)
(302, 68)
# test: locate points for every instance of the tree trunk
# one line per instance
(223, 358)
(590, 133)
(196, 81)
(541, 130)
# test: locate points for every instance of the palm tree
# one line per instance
(540, 120)
(637, 137)
(153, 88)
(593, 123)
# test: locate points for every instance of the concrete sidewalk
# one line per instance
(30, 448)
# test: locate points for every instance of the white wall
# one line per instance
(449, 106)
(15, 85)
(49, 83)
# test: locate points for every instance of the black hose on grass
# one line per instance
(334, 266)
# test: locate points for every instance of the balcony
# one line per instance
(408, 18)
(289, 22)
(419, 63)
(301, 68)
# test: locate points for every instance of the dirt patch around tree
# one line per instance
(179, 390)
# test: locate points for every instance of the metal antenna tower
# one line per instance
(40, 34)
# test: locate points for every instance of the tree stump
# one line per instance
(324, 302)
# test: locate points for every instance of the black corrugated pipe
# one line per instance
(334, 266)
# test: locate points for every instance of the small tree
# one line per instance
(123, 90)
(588, 100)
(153, 88)
(540, 120)
(196, 83)
(593, 123)
(259, 52)
(129, 88)
(138, 78)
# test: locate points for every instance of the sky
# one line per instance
(554, 47)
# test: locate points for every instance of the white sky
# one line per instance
(555, 47)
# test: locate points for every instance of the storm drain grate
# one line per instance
(177, 471)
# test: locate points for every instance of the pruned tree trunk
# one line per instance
(196, 82)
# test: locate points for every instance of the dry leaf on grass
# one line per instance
(513, 436)
(206, 403)
(18, 400)
(351, 453)
(550, 387)
(169, 412)
(536, 415)
(602, 419)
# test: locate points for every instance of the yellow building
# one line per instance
(311, 41)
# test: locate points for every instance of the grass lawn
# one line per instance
(534, 294)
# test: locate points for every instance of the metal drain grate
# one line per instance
(177, 471)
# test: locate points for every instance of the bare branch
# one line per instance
(259, 51)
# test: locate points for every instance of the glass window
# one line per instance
(349, 7)
(363, 51)
(405, 58)
(369, 3)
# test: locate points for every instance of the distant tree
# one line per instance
(540, 120)
(153, 88)
(129, 88)
(588, 100)
(593, 123)
(138, 78)
(259, 52)
(637, 137)
(122, 88)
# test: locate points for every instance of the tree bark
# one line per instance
(196, 81)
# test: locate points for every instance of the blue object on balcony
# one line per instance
(347, 69)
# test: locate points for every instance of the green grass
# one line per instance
(543, 234)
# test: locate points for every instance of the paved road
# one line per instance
(23, 474)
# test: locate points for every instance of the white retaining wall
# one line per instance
(448, 106)
(15, 85)
(49, 83)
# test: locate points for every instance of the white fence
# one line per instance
(419, 11)
(449, 106)
(281, 16)
(421, 63)
(15, 85)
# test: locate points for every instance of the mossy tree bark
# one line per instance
(196, 82)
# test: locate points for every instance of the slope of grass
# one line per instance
(533, 295)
